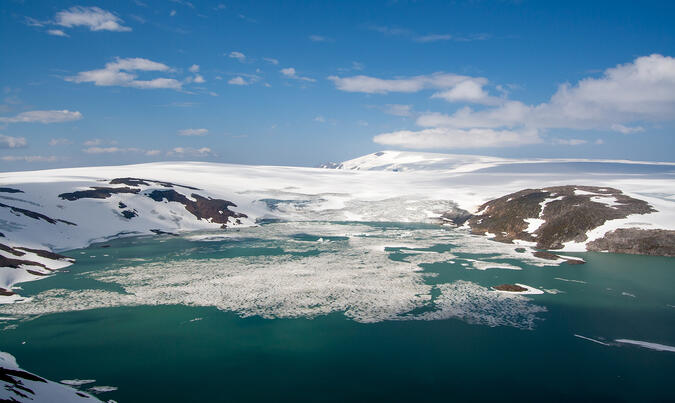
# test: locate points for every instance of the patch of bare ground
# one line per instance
(636, 241)
(568, 214)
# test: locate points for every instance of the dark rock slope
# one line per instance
(567, 214)
(654, 242)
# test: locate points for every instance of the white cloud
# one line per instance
(470, 90)
(626, 130)
(153, 153)
(191, 152)
(238, 80)
(374, 85)
(94, 142)
(320, 119)
(456, 138)
(290, 72)
(641, 91)
(194, 68)
(120, 73)
(271, 60)
(621, 99)
(569, 142)
(193, 132)
(398, 109)
(59, 142)
(103, 150)
(43, 117)
(28, 158)
(93, 18)
(12, 142)
(198, 79)
(172, 13)
(238, 55)
(57, 32)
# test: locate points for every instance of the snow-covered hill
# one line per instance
(57, 210)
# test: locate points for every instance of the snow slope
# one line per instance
(17, 385)
(391, 186)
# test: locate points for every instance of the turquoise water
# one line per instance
(201, 353)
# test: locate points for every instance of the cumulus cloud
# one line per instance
(641, 91)
(237, 55)
(94, 18)
(193, 132)
(271, 60)
(194, 68)
(456, 88)
(290, 72)
(470, 90)
(12, 142)
(120, 73)
(43, 117)
(622, 99)
(238, 80)
(446, 138)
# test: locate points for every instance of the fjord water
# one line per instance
(200, 353)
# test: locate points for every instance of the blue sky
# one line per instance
(300, 83)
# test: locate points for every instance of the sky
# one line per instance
(306, 82)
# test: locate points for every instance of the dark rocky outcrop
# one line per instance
(35, 215)
(546, 255)
(146, 182)
(45, 253)
(160, 232)
(214, 210)
(16, 263)
(97, 193)
(636, 241)
(11, 250)
(10, 190)
(567, 216)
(510, 288)
(456, 216)
(129, 214)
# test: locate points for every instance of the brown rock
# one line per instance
(510, 288)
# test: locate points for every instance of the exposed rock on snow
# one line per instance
(97, 193)
(636, 241)
(568, 213)
(34, 215)
(213, 210)
(17, 385)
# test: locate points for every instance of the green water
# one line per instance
(161, 353)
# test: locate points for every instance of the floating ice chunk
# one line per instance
(478, 305)
(593, 340)
(77, 382)
(103, 389)
(570, 280)
(646, 344)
